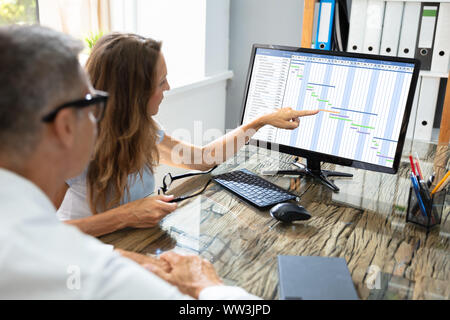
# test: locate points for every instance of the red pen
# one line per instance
(412, 165)
(419, 171)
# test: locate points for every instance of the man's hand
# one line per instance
(145, 260)
(191, 274)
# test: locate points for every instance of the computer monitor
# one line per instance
(364, 101)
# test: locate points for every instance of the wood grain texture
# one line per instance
(363, 223)
(444, 132)
(307, 25)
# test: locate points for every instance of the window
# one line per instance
(18, 12)
(194, 33)
(179, 24)
(78, 18)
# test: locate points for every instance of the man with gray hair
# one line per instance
(48, 122)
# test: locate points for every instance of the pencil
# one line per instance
(441, 182)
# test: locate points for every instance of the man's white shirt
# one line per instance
(43, 258)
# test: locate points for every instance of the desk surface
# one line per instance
(364, 223)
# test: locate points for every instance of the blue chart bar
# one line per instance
(321, 84)
(372, 114)
(384, 157)
(385, 139)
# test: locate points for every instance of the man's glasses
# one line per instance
(168, 179)
(98, 98)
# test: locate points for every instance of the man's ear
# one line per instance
(65, 125)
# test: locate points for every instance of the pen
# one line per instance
(417, 191)
(419, 171)
(430, 180)
(412, 164)
(440, 182)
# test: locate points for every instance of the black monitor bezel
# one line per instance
(316, 156)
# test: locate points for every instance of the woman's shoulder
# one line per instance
(160, 132)
(79, 180)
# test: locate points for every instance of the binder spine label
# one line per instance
(425, 36)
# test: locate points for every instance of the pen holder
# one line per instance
(434, 209)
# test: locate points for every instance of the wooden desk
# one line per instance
(364, 223)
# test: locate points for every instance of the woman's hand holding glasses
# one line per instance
(148, 212)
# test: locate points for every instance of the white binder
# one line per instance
(413, 115)
(357, 26)
(426, 108)
(441, 52)
(391, 28)
(374, 26)
(410, 25)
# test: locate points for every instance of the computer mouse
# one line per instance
(288, 212)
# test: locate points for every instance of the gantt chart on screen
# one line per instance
(361, 102)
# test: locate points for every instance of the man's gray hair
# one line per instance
(38, 68)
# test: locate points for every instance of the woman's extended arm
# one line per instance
(182, 154)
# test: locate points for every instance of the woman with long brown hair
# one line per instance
(111, 194)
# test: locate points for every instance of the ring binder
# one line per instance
(425, 36)
(357, 26)
(441, 52)
(325, 25)
(410, 25)
(391, 28)
(374, 26)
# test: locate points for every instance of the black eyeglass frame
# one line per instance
(166, 184)
(96, 97)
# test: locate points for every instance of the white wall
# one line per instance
(217, 36)
(204, 104)
(257, 21)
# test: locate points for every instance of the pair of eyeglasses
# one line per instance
(97, 99)
(168, 179)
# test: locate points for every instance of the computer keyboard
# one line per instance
(253, 189)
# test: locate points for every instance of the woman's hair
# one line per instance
(124, 65)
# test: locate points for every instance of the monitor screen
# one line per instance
(364, 103)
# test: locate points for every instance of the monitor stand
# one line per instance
(312, 169)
